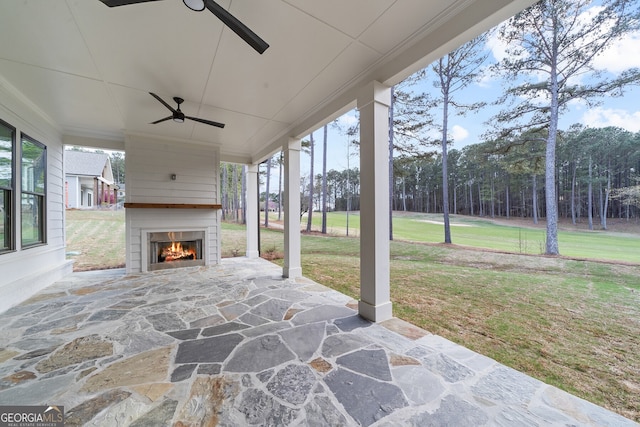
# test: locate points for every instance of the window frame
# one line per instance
(41, 197)
(9, 245)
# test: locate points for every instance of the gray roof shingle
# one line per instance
(84, 163)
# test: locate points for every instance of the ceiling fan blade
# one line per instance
(173, 110)
(161, 120)
(206, 122)
(237, 27)
(114, 3)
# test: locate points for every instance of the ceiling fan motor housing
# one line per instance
(178, 115)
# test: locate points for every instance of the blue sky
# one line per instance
(623, 112)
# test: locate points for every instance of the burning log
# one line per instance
(176, 252)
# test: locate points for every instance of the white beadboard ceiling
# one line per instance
(88, 68)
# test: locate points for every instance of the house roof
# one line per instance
(87, 68)
(84, 163)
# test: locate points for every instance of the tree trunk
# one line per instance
(534, 197)
(455, 199)
(606, 200)
(266, 194)
(243, 183)
(471, 198)
(311, 182)
(324, 182)
(280, 187)
(480, 205)
(600, 201)
(573, 195)
(224, 189)
(507, 201)
(348, 189)
(493, 202)
(445, 174)
(236, 208)
(590, 197)
(404, 196)
(551, 201)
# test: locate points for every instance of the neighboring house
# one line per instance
(273, 206)
(88, 180)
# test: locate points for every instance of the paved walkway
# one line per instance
(237, 345)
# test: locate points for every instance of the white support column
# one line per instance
(375, 296)
(252, 212)
(292, 265)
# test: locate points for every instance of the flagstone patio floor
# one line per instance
(237, 345)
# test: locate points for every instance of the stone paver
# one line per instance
(237, 344)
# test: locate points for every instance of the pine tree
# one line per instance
(455, 71)
(551, 47)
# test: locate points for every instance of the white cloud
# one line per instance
(486, 78)
(496, 45)
(602, 117)
(499, 51)
(348, 119)
(458, 133)
(621, 55)
(618, 56)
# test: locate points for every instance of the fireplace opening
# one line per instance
(175, 249)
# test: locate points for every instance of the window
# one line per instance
(33, 203)
(7, 143)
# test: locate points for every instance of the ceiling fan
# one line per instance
(178, 116)
(229, 20)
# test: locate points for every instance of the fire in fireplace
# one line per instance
(175, 249)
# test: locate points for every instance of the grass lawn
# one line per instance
(515, 235)
(95, 239)
(571, 323)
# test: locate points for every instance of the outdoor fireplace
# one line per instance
(174, 249)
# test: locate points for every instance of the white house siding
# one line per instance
(85, 193)
(24, 272)
(73, 191)
(80, 192)
(149, 165)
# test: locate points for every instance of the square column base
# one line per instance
(292, 273)
(252, 254)
(375, 313)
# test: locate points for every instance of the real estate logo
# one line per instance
(32, 416)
